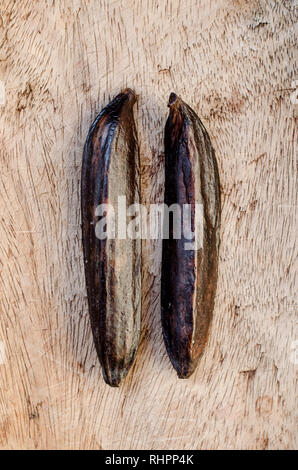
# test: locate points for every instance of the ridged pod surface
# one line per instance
(189, 277)
(111, 168)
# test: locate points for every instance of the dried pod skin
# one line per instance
(111, 168)
(189, 277)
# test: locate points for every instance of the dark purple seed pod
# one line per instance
(189, 276)
(111, 168)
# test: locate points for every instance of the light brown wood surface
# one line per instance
(234, 62)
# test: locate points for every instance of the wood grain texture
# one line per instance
(234, 62)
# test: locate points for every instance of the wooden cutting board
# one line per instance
(234, 62)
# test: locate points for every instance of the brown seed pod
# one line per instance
(111, 168)
(189, 277)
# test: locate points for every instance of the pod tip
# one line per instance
(182, 375)
(184, 370)
(112, 381)
(132, 96)
(173, 99)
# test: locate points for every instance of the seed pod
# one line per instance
(111, 168)
(189, 276)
